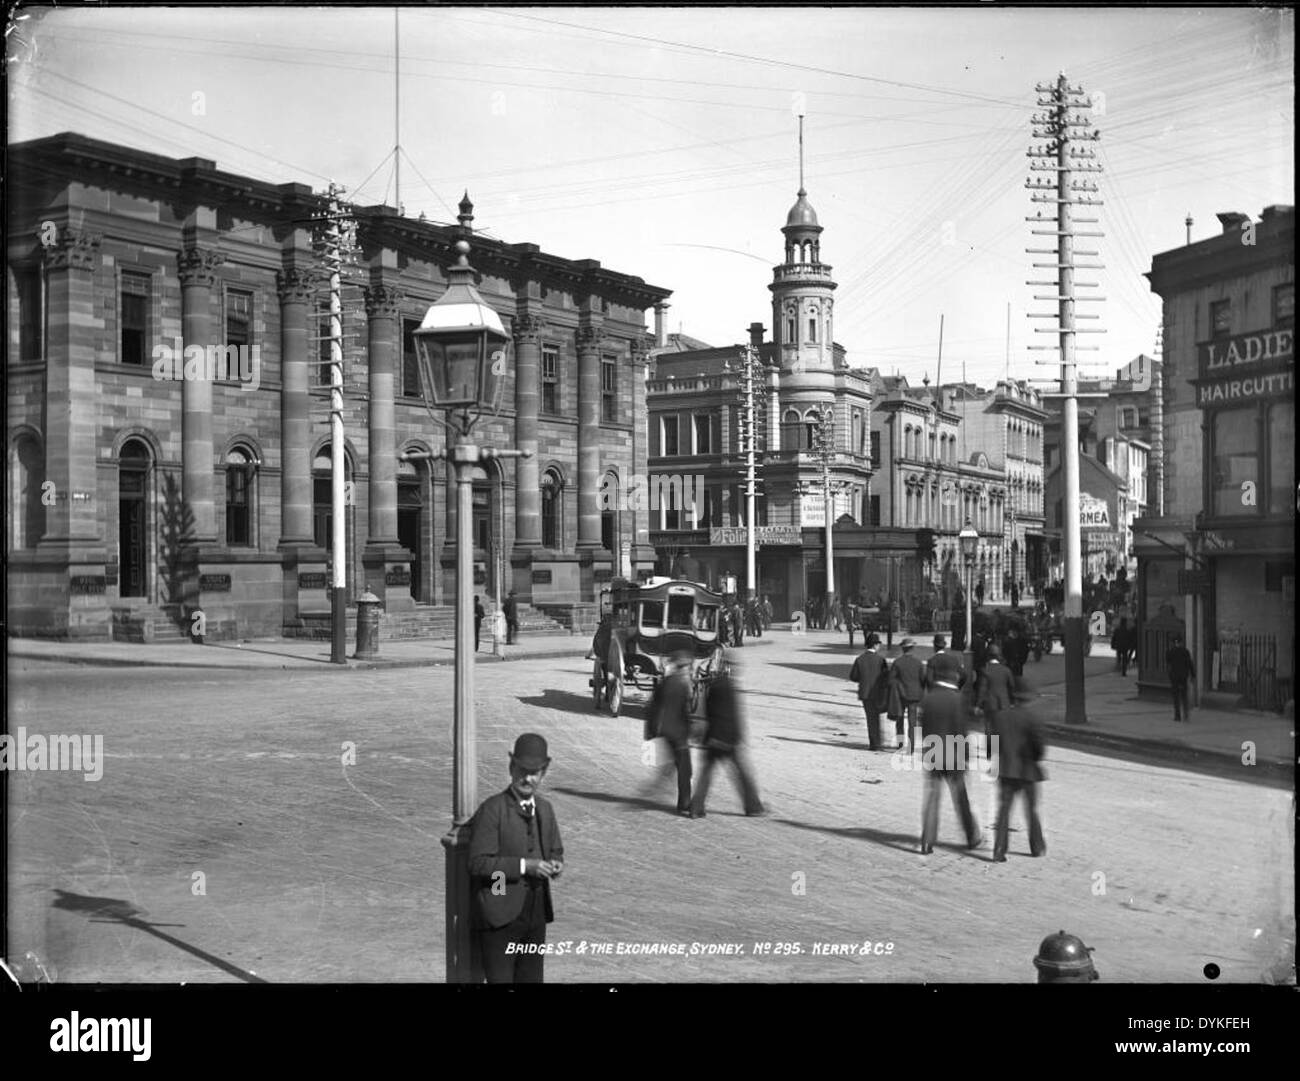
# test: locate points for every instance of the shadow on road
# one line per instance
(825, 743)
(113, 910)
(569, 702)
(903, 842)
(641, 801)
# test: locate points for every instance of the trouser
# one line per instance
(478, 627)
(873, 725)
(956, 782)
(1182, 703)
(682, 766)
(908, 722)
(512, 629)
(1125, 659)
(1007, 790)
(745, 784)
(528, 928)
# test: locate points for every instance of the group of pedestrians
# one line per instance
(931, 700)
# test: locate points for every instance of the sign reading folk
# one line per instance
(727, 536)
(1246, 350)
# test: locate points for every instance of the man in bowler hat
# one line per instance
(1021, 745)
(908, 673)
(944, 750)
(871, 675)
(515, 853)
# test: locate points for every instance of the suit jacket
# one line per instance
(945, 666)
(673, 721)
(998, 687)
(943, 717)
(498, 841)
(1021, 744)
(908, 672)
(871, 675)
(722, 706)
(1179, 665)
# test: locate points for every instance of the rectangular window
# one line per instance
(875, 448)
(704, 510)
(239, 317)
(668, 441)
(703, 433)
(31, 319)
(609, 389)
(238, 523)
(1284, 305)
(550, 379)
(1281, 456)
(1274, 573)
(672, 517)
(133, 318)
(1236, 459)
(1220, 318)
(409, 385)
(875, 510)
(812, 330)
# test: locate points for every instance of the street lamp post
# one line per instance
(969, 539)
(460, 347)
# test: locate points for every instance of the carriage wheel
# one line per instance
(597, 684)
(615, 694)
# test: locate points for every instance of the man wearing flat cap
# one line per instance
(515, 853)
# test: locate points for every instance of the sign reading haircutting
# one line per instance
(1217, 391)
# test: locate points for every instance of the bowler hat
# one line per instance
(907, 643)
(530, 752)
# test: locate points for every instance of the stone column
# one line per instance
(70, 402)
(296, 287)
(589, 337)
(198, 275)
(636, 524)
(528, 328)
(383, 303)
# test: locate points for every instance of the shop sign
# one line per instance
(1094, 513)
(1222, 391)
(1247, 350)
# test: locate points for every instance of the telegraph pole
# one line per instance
(332, 256)
(749, 370)
(1064, 156)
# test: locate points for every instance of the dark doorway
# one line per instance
(132, 517)
(409, 521)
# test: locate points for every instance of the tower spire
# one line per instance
(801, 188)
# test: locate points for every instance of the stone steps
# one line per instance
(148, 623)
(426, 621)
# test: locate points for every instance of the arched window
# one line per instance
(811, 421)
(240, 501)
(133, 517)
(28, 478)
(812, 328)
(791, 430)
(552, 488)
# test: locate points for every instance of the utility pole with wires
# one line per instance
(337, 245)
(1068, 133)
(753, 392)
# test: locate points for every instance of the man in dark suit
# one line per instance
(944, 666)
(479, 613)
(515, 853)
(944, 755)
(726, 741)
(996, 693)
(1021, 745)
(1181, 669)
(908, 674)
(511, 612)
(673, 722)
(871, 675)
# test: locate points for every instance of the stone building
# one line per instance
(695, 416)
(1219, 563)
(143, 492)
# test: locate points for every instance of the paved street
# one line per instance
(315, 871)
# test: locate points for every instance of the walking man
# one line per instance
(726, 742)
(871, 675)
(943, 760)
(997, 690)
(511, 611)
(1021, 745)
(515, 853)
(944, 666)
(1181, 669)
(908, 674)
(673, 723)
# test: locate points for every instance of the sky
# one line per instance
(663, 141)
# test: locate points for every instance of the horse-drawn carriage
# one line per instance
(643, 626)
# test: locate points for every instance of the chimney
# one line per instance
(1277, 210)
(756, 334)
(1232, 220)
(661, 324)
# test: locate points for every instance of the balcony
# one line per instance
(801, 272)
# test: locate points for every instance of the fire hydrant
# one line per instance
(1063, 958)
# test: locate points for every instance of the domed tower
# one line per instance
(802, 324)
